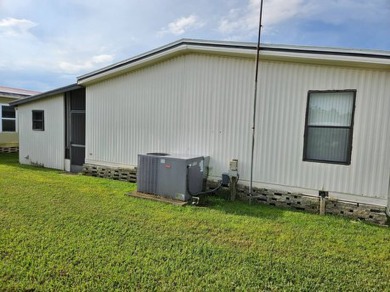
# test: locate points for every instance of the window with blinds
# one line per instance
(329, 126)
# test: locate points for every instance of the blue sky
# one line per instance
(45, 44)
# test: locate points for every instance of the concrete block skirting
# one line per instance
(297, 201)
(281, 199)
(123, 174)
(366, 212)
(13, 149)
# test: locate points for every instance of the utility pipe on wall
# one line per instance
(255, 101)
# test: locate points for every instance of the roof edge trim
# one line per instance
(250, 48)
(46, 94)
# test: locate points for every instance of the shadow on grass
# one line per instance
(257, 210)
(216, 202)
(9, 158)
(241, 208)
(12, 160)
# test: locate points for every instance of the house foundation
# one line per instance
(13, 149)
(365, 212)
(122, 174)
(297, 201)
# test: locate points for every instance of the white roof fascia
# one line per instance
(314, 55)
(119, 69)
(47, 94)
(332, 59)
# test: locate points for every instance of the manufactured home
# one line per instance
(322, 119)
(9, 139)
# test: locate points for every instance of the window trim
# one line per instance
(10, 119)
(35, 120)
(351, 127)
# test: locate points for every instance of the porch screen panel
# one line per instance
(78, 128)
(78, 155)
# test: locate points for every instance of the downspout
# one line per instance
(255, 102)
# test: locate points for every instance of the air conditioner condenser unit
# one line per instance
(173, 176)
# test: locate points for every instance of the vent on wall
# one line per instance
(170, 175)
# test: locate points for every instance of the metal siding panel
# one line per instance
(202, 104)
(43, 147)
(283, 94)
(191, 104)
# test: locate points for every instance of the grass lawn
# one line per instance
(65, 232)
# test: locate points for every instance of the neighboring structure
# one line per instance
(9, 141)
(322, 118)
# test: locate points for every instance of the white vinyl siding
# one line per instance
(45, 148)
(202, 104)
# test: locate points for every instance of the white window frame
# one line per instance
(12, 119)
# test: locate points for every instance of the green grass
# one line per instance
(65, 232)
